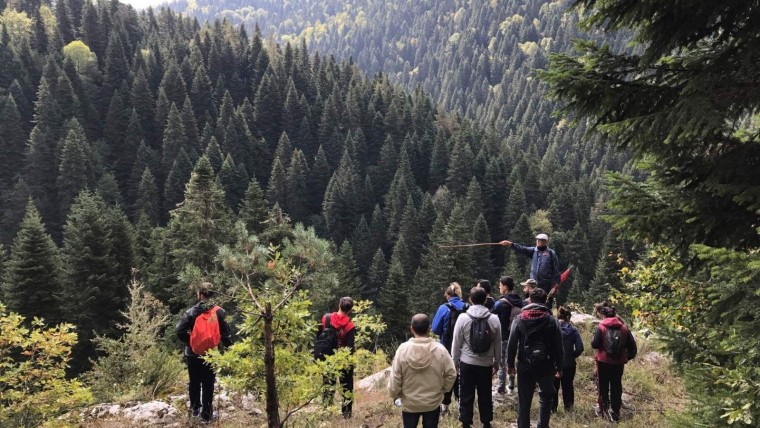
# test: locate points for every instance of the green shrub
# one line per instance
(136, 366)
(33, 361)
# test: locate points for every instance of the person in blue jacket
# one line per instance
(544, 264)
(573, 346)
(443, 325)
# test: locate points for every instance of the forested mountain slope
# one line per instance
(477, 58)
(105, 112)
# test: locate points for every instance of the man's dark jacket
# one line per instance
(536, 319)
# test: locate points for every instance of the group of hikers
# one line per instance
(519, 339)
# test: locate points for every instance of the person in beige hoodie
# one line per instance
(421, 373)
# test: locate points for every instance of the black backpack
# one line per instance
(535, 346)
(614, 341)
(448, 336)
(514, 311)
(481, 334)
(327, 341)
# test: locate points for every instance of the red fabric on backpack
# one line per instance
(600, 354)
(206, 334)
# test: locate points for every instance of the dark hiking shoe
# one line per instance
(195, 413)
(613, 416)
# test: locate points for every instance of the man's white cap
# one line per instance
(542, 237)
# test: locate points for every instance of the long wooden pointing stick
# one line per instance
(484, 244)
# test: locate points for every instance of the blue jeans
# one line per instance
(429, 419)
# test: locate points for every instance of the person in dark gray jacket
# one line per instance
(536, 342)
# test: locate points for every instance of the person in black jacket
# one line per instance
(573, 345)
(507, 308)
(201, 374)
(540, 355)
(346, 335)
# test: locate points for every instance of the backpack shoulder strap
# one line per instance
(328, 321)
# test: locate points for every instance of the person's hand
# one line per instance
(558, 374)
(511, 371)
(505, 243)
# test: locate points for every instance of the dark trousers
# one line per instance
(609, 379)
(201, 387)
(347, 385)
(526, 383)
(475, 378)
(454, 390)
(429, 419)
(568, 393)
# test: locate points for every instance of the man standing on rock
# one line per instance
(421, 373)
(202, 328)
(544, 264)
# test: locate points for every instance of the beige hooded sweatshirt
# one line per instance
(422, 371)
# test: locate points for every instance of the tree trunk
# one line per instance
(273, 410)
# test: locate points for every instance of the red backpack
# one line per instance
(205, 334)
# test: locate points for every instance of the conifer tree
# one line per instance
(277, 188)
(482, 256)
(297, 187)
(174, 187)
(143, 103)
(12, 142)
(267, 105)
(108, 189)
(516, 207)
(341, 199)
(31, 282)
(190, 126)
(14, 202)
(319, 177)
(393, 300)
(255, 209)
(202, 223)
(93, 293)
(460, 169)
(147, 202)
(214, 155)
(74, 169)
(172, 84)
(233, 179)
(361, 243)
(376, 277)
(347, 273)
(174, 138)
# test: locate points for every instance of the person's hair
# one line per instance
(508, 282)
(564, 314)
(420, 324)
(346, 304)
(454, 289)
(606, 309)
(485, 285)
(206, 289)
(478, 295)
(537, 295)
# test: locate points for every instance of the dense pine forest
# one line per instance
(331, 148)
(106, 112)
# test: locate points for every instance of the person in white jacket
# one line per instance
(421, 373)
(477, 358)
